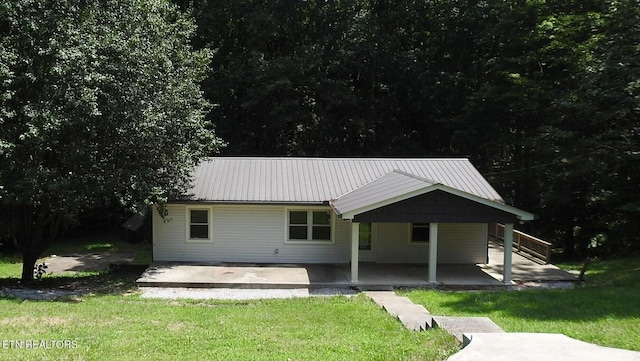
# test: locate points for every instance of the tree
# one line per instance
(99, 102)
(596, 128)
(541, 95)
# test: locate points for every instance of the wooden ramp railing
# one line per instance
(524, 243)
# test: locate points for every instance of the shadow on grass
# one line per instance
(547, 305)
(612, 291)
(71, 287)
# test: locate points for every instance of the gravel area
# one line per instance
(186, 293)
(240, 294)
(547, 285)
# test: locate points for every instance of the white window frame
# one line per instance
(209, 210)
(410, 233)
(309, 211)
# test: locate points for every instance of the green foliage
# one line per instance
(100, 103)
(542, 96)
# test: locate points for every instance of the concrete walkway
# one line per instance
(535, 347)
(482, 339)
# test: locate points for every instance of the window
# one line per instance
(198, 225)
(309, 225)
(364, 237)
(298, 225)
(419, 233)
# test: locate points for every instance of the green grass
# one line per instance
(605, 311)
(129, 328)
(112, 322)
(10, 265)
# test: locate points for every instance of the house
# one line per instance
(335, 210)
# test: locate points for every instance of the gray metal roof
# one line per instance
(389, 186)
(398, 186)
(319, 180)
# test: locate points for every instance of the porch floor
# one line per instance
(371, 275)
(522, 268)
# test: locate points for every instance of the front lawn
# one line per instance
(111, 322)
(130, 328)
(605, 311)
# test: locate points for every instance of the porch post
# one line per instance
(355, 242)
(508, 249)
(433, 251)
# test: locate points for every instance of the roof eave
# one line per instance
(520, 214)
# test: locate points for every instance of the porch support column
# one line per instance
(355, 242)
(433, 251)
(508, 249)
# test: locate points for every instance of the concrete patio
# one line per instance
(372, 275)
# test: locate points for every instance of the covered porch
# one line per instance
(289, 276)
(400, 197)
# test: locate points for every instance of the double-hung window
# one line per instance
(419, 233)
(309, 226)
(198, 224)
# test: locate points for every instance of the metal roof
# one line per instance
(319, 180)
(389, 186)
(398, 186)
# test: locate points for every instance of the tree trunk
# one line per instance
(569, 247)
(31, 226)
(28, 263)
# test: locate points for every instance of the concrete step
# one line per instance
(413, 317)
(457, 326)
(416, 321)
(399, 306)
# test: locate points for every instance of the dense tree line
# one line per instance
(544, 97)
(107, 103)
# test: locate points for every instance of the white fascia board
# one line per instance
(519, 213)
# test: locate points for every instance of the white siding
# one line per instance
(252, 233)
(462, 242)
(169, 238)
(457, 243)
(393, 245)
(244, 233)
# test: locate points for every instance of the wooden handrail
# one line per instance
(524, 243)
